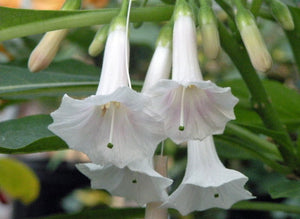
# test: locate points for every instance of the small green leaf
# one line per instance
(285, 189)
(18, 181)
(29, 134)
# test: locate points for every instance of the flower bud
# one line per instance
(255, 45)
(45, 51)
(282, 14)
(98, 43)
(209, 31)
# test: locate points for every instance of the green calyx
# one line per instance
(71, 5)
(282, 14)
(206, 15)
(182, 8)
(119, 21)
(244, 18)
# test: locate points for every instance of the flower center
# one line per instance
(181, 122)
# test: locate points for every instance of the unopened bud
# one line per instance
(209, 31)
(98, 43)
(282, 14)
(43, 54)
(255, 45)
(71, 5)
(45, 51)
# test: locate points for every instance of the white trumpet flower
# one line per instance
(190, 107)
(114, 126)
(137, 181)
(207, 183)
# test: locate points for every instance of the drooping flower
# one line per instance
(114, 126)
(207, 183)
(191, 108)
(137, 181)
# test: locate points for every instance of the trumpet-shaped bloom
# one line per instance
(115, 125)
(191, 108)
(137, 181)
(207, 183)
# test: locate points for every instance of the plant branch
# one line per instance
(37, 21)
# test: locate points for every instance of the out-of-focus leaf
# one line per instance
(115, 213)
(18, 181)
(27, 135)
(286, 102)
(285, 189)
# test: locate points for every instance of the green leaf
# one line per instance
(23, 22)
(18, 181)
(115, 213)
(285, 189)
(17, 82)
(27, 135)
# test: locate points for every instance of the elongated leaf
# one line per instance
(21, 22)
(27, 135)
(115, 213)
(18, 82)
(285, 189)
(18, 180)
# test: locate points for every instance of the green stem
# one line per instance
(72, 19)
(255, 7)
(266, 206)
(226, 7)
(260, 101)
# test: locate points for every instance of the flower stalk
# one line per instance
(153, 210)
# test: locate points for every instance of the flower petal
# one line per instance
(137, 181)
